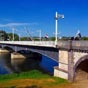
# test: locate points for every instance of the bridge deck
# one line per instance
(75, 45)
(31, 43)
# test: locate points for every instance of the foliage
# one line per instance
(23, 38)
(84, 38)
(3, 35)
(52, 38)
(16, 37)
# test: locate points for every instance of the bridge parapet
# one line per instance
(75, 45)
(63, 44)
(80, 45)
(31, 43)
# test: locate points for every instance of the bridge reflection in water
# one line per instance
(33, 61)
(5, 63)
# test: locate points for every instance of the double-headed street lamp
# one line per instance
(56, 27)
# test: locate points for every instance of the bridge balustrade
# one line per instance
(32, 43)
(76, 45)
(81, 45)
(63, 44)
(69, 44)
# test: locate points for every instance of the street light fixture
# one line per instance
(56, 27)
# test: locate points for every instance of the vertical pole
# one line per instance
(19, 37)
(13, 33)
(56, 29)
(40, 35)
(39, 31)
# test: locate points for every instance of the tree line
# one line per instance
(9, 37)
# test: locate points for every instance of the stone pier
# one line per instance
(3, 50)
(62, 69)
(17, 58)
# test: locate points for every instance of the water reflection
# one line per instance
(32, 61)
(5, 63)
(8, 65)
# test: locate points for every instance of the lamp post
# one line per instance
(56, 26)
(39, 34)
(13, 33)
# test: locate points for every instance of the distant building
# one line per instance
(3, 35)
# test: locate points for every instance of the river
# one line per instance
(5, 63)
(33, 61)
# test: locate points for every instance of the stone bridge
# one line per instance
(44, 48)
(72, 56)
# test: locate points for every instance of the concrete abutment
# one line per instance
(62, 69)
(73, 65)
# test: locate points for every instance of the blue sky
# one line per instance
(35, 15)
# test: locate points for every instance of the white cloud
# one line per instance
(17, 24)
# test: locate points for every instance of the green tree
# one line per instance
(84, 38)
(3, 35)
(16, 37)
(23, 38)
(52, 38)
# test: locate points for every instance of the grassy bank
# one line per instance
(32, 78)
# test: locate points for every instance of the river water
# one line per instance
(33, 61)
(5, 63)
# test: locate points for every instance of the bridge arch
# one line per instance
(8, 48)
(12, 49)
(46, 51)
(46, 62)
(49, 57)
(81, 69)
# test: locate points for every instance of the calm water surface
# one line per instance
(5, 63)
(34, 61)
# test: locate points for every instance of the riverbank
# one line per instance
(37, 79)
(32, 79)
